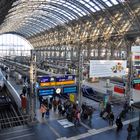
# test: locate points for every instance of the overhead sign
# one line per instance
(136, 81)
(47, 81)
(46, 92)
(70, 90)
(43, 79)
(105, 68)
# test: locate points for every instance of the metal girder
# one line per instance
(62, 11)
(26, 32)
(59, 13)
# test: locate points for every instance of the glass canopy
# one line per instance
(29, 17)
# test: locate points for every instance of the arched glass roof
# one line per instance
(29, 17)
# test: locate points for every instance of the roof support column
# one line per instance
(32, 104)
(80, 73)
(99, 49)
(112, 50)
(88, 51)
(128, 93)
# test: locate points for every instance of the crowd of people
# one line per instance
(66, 109)
(107, 114)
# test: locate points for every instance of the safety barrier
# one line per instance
(13, 92)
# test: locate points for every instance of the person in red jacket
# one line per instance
(23, 103)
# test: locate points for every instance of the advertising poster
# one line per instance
(107, 68)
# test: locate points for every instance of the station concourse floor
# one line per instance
(58, 128)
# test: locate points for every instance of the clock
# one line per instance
(58, 90)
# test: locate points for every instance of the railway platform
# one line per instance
(59, 128)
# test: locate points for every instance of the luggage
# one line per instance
(47, 114)
(105, 115)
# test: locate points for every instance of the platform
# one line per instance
(58, 128)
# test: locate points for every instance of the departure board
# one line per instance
(47, 81)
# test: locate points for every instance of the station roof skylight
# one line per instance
(29, 17)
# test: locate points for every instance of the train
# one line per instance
(1, 80)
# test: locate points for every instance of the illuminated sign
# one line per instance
(65, 78)
(45, 92)
(69, 90)
(46, 81)
(136, 81)
(65, 83)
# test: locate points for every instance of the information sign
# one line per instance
(72, 97)
(45, 92)
(136, 81)
(70, 89)
(47, 81)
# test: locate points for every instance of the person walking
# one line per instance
(77, 118)
(101, 106)
(54, 105)
(43, 110)
(129, 130)
(111, 118)
(119, 123)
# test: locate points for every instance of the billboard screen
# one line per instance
(106, 68)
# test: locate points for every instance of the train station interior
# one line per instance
(70, 69)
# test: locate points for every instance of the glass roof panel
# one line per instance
(50, 13)
(108, 3)
(44, 10)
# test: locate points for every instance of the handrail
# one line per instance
(13, 92)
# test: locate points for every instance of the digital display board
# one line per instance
(69, 90)
(45, 92)
(65, 78)
(44, 79)
(47, 81)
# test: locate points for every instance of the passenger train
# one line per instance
(1, 80)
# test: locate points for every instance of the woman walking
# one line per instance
(43, 109)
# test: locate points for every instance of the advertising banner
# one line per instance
(106, 68)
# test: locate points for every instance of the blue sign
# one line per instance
(45, 92)
(69, 90)
(44, 79)
(136, 81)
(65, 78)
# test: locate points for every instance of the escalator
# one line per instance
(10, 115)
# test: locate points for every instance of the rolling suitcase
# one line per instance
(105, 115)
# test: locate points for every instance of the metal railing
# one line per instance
(14, 121)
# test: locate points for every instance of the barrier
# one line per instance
(13, 92)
